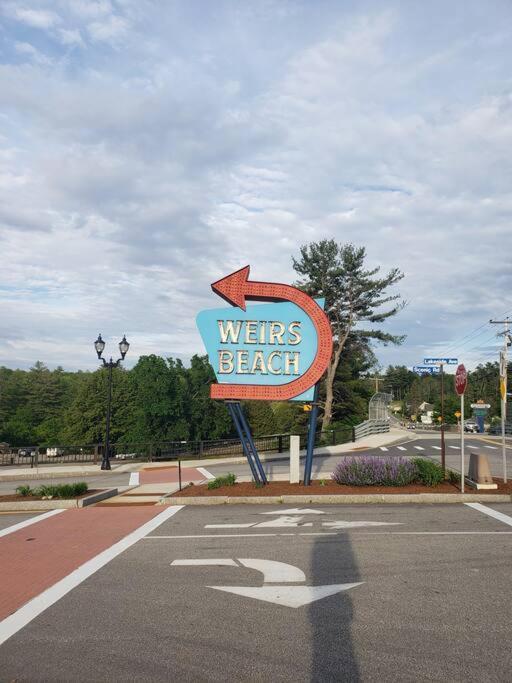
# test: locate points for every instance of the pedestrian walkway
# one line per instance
(37, 556)
(154, 483)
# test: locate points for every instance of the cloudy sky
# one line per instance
(148, 147)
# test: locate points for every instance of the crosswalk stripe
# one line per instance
(383, 448)
(419, 448)
(401, 448)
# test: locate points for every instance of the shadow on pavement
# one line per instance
(333, 653)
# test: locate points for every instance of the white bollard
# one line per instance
(294, 459)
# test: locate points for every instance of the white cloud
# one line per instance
(36, 18)
(207, 140)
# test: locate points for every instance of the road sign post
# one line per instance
(503, 392)
(461, 382)
(441, 362)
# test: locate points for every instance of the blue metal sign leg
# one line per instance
(311, 437)
(238, 427)
(251, 443)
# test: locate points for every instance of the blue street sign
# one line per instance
(445, 361)
(426, 369)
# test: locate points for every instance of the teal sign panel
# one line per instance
(268, 344)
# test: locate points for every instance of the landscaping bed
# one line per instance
(16, 497)
(329, 487)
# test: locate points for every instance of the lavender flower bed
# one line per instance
(372, 471)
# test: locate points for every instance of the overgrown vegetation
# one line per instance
(430, 473)
(226, 480)
(54, 490)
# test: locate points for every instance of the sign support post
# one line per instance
(440, 362)
(311, 437)
(503, 390)
(461, 382)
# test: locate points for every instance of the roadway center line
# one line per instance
(336, 533)
(506, 519)
(28, 522)
(23, 616)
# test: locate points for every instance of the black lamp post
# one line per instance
(99, 345)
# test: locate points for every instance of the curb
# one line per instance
(340, 499)
(56, 504)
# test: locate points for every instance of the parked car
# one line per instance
(28, 451)
(411, 425)
(54, 452)
(471, 427)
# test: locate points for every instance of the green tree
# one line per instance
(353, 295)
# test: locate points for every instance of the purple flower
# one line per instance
(374, 471)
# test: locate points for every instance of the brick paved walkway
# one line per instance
(36, 557)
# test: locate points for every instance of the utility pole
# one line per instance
(377, 380)
(503, 388)
(443, 447)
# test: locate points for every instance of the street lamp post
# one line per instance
(99, 345)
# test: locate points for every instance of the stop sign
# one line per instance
(461, 380)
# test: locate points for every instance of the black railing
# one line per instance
(33, 456)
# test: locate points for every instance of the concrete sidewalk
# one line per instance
(72, 470)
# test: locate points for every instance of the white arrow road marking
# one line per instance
(275, 572)
(284, 522)
(287, 596)
(349, 525)
(295, 511)
(222, 562)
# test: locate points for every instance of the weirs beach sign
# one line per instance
(269, 351)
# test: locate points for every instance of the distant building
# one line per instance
(426, 412)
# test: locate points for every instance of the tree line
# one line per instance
(162, 400)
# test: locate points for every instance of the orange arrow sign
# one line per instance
(235, 289)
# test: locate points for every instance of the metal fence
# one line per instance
(369, 427)
(33, 456)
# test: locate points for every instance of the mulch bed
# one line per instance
(16, 498)
(283, 488)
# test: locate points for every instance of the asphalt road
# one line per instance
(410, 446)
(432, 601)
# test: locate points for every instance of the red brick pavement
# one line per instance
(161, 475)
(36, 557)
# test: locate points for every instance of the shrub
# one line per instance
(227, 480)
(429, 472)
(453, 477)
(24, 490)
(62, 490)
(373, 471)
